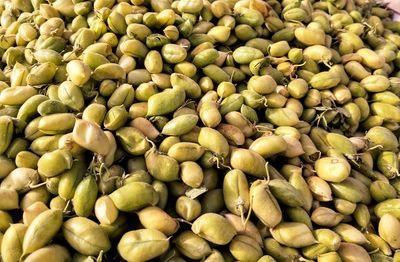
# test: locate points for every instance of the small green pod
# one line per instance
(173, 53)
(386, 111)
(332, 169)
(214, 141)
(5, 221)
(352, 190)
(6, 132)
(83, 38)
(388, 206)
(375, 83)
(214, 228)
(123, 95)
(246, 54)
(282, 116)
(264, 204)
(386, 97)
(26, 159)
(156, 218)
(325, 80)
(281, 253)
(298, 182)
(54, 163)
(116, 23)
(36, 195)
(236, 192)
(191, 174)
(209, 113)
(370, 58)
(285, 234)
(381, 190)
(384, 137)
(268, 146)
(249, 113)
(285, 193)
(298, 214)
(134, 48)
(310, 36)
(51, 106)
(94, 113)
(279, 49)
(7, 164)
(115, 118)
(58, 123)
(132, 140)
(185, 151)
(53, 252)
(85, 236)
(327, 217)
(162, 167)
(48, 55)
(153, 62)
(188, 208)
(296, 14)
(93, 59)
(17, 145)
(142, 245)
(248, 161)
(108, 71)
(127, 201)
(318, 53)
(20, 179)
(344, 207)
(245, 248)
(90, 136)
(232, 133)
(162, 190)
(180, 81)
(216, 73)
(159, 40)
(71, 95)
(41, 74)
(165, 102)
(328, 240)
(78, 72)
(44, 144)
(145, 90)
(42, 229)
(29, 109)
(105, 210)
(191, 245)
(180, 125)
(356, 71)
(85, 196)
(388, 164)
(11, 244)
(205, 57)
(350, 234)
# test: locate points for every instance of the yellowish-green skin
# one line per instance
(199, 130)
(42, 229)
(192, 245)
(214, 228)
(125, 200)
(85, 236)
(142, 244)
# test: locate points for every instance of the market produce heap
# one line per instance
(196, 130)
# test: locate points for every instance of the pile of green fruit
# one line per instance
(199, 130)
